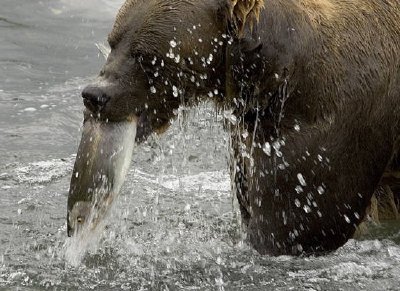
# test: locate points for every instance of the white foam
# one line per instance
(30, 109)
(213, 180)
(44, 171)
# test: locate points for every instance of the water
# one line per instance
(175, 225)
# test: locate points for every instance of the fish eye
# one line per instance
(79, 219)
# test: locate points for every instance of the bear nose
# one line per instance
(94, 98)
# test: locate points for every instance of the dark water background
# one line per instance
(175, 226)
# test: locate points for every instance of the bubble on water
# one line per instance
(153, 89)
(297, 127)
(210, 94)
(301, 179)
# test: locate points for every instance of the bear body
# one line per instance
(314, 86)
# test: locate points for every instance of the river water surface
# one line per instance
(175, 225)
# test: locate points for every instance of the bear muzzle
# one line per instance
(95, 98)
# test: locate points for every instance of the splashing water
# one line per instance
(173, 227)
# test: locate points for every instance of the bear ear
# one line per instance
(245, 12)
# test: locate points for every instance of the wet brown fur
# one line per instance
(328, 67)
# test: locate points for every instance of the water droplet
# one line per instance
(299, 189)
(321, 190)
(210, 58)
(267, 149)
(301, 179)
(297, 127)
(346, 218)
(172, 43)
(175, 91)
(299, 247)
(297, 202)
(276, 145)
(153, 90)
(306, 209)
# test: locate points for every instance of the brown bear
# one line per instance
(314, 89)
